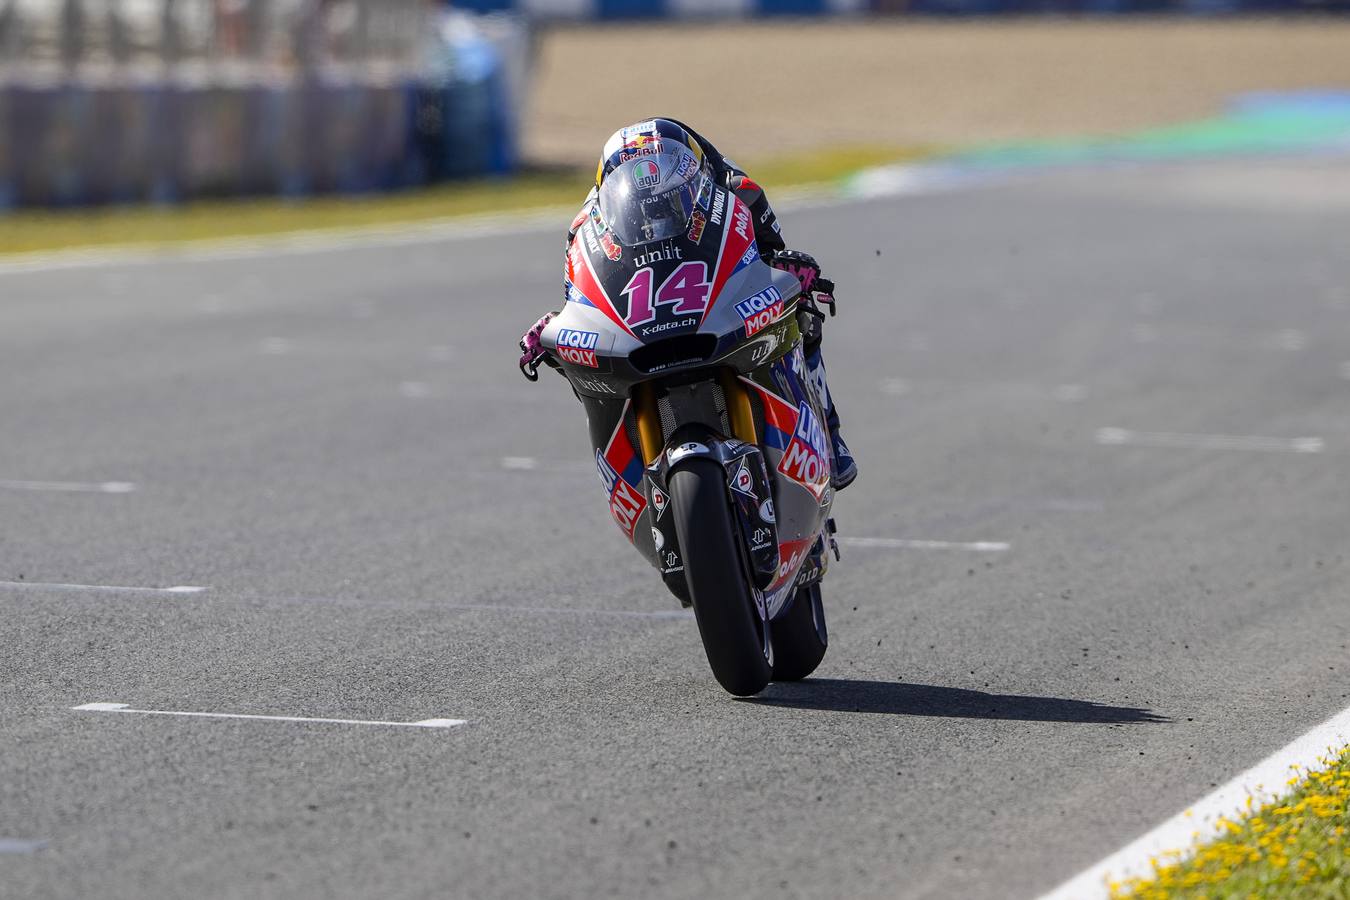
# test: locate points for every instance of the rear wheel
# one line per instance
(800, 638)
(734, 637)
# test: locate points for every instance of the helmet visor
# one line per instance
(651, 197)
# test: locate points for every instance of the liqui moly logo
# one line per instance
(761, 310)
(807, 458)
(582, 340)
(578, 347)
(625, 503)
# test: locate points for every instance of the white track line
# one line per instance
(1263, 782)
(123, 708)
(20, 845)
(104, 588)
(91, 487)
(899, 544)
(1118, 437)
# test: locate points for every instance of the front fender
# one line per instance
(748, 491)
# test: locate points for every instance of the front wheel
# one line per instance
(734, 637)
(799, 637)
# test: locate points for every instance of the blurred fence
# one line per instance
(640, 9)
(164, 100)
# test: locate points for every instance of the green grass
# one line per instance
(28, 231)
(1294, 848)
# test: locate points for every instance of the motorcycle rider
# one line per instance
(649, 135)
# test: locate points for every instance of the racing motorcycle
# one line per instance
(686, 350)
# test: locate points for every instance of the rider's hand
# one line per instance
(531, 349)
(806, 270)
(802, 266)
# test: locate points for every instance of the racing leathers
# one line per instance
(775, 253)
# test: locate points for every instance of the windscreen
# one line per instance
(649, 198)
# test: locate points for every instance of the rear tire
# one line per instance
(800, 638)
(734, 638)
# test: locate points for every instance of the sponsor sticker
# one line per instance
(741, 224)
(688, 164)
(664, 252)
(625, 504)
(660, 501)
(719, 207)
(578, 347)
(680, 452)
(582, 340)
(697, 221)
(589, 232)
(647, 173)
(612, 250)
(649, 330)
(594, 385)
(766, 513)
(658, 539)
(807, 458)
(647, 127)
(761, 310)
(743, 481)
(705, 192)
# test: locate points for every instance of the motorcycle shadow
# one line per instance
(903, 699)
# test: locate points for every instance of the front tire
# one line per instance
(800, 638)
(734, 637)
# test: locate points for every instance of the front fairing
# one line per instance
(707, 287)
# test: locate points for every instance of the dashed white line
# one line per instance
(523, 463)
(1263, 782)
(21, 845)
(124, 708)
(104, 588)
(92, 487)
(904, 544)
(1126, 437)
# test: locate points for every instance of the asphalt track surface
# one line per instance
(318, 438)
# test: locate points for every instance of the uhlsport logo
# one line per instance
(761, 310)
(807, 459)
(578, 347)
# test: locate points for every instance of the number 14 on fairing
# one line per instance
(687, 287)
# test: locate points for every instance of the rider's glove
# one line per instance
(806, 270)
(532, 350)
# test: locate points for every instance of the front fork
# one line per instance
(747, 478)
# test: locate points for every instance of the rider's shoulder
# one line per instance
(580, 218)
